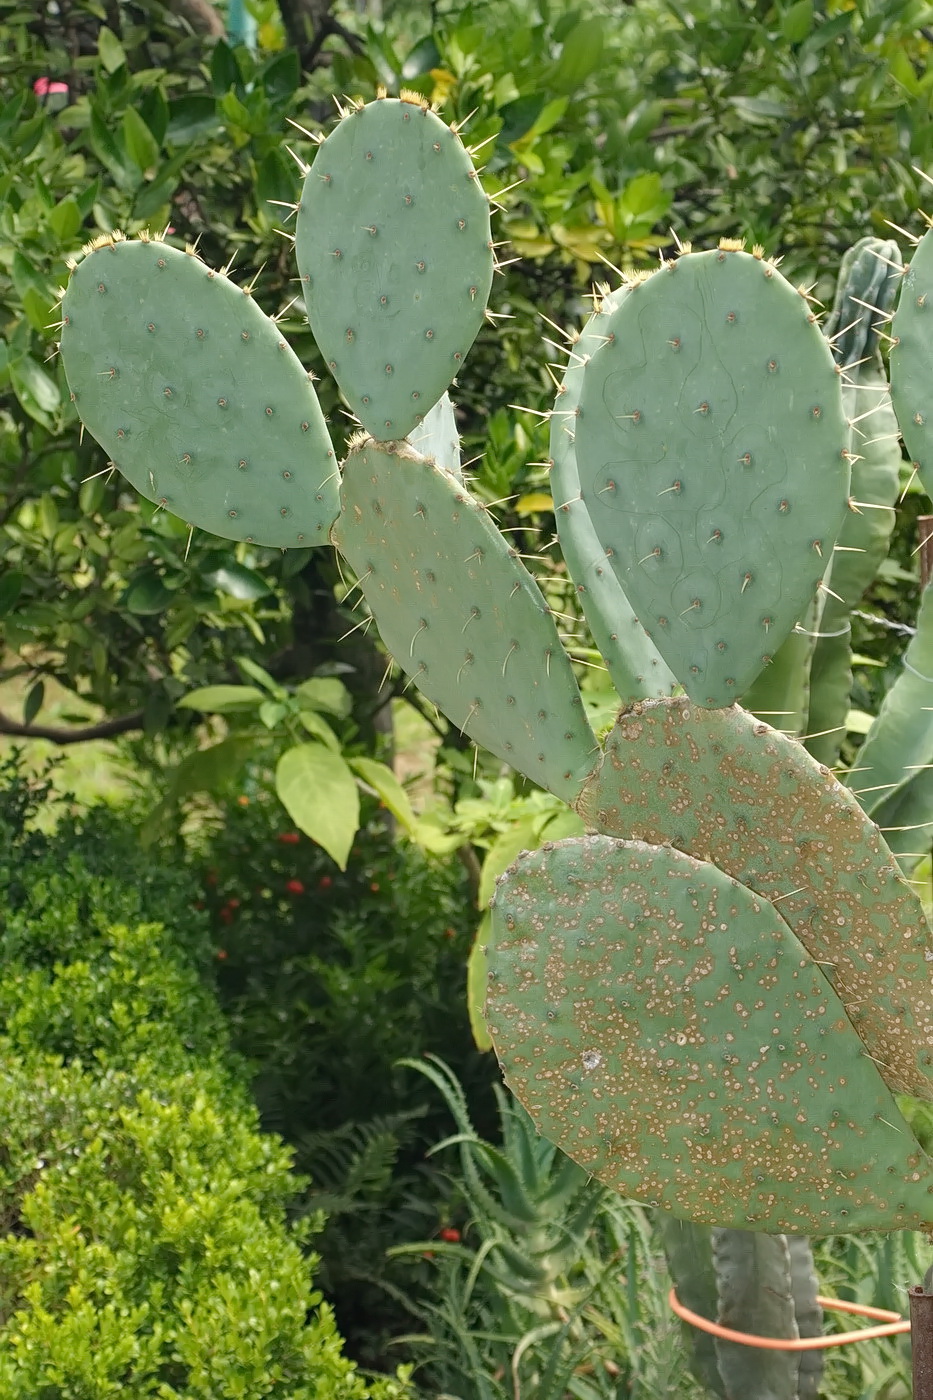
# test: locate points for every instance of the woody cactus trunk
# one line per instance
(712, 999)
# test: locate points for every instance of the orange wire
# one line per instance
(895, 1324)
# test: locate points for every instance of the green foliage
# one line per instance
(145, 1248)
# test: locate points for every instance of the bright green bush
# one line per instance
(145, 1248)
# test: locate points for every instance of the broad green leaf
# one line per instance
(190, 117)
(581, 55)
(36, 390)
(65, 219)
(319, 727)
(33, 701)
(319, 792)
(147, 594)
(325, 693)
(797, 21)
(256, 673)
(503, 851)
(206, 770)
(236, 580)
(141, 146)
(11, 584)
(219, 699)
(271, 712)
(110, 49)
(476, 986)
(388, 788)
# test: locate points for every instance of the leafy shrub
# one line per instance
(146, 1249)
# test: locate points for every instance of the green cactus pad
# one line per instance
(634, 664)
(866, 274)
(711, 447)
(196, 397)
(911, 360)
(731, 790)
(461, 614)
(663, 1026)
(396, 259)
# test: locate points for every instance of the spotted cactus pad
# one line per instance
(461, 614)
(634, 664)
(711, 445)
(663, 1026)
(730, 790)
(196, 397)
(396, 259)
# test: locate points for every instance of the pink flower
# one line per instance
(45, 87)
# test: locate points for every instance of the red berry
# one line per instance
(450, 933)
(233, 904)
(289, 838)
(374, 887)
(294, 887)
(451, 1235)
(227, 915)
(221, 954)
(325, 882)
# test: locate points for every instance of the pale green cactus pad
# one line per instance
(196, 397)
(711, 445)
(461, 614)
(911, 361)
(731, 790)
(396, 259)
(663, 1026)
(633, 661)
(437, 437)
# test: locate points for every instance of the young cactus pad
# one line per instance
(711, 447)
(461, 614)
(730, 790)
(911, 361)
(663, 1026)
(195, 396)
(634, 664)
(396, 259)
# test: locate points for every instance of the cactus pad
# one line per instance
(635, 667)
(730, 790)
(663, 1026)
(911, 360)
(396, 259)
(461, 614)
(711, 447)
(437, 437)
(196, 397)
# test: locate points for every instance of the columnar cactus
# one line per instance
(711, 999)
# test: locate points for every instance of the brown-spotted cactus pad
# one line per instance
(711, 445)
(663, 1026)
(730, 790)
(460, 613)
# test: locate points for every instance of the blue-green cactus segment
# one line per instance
(663, 1027)
(732, 791)
(634, 664)
(688, 1249)
(889, 776)
(911, 360)
(460, 613)
(869, 273)
(808, 1313)
(755, 1296)
(196, 397)
(711, 446)
(438, 438)
(396, 259)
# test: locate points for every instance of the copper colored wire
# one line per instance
(893, 1323)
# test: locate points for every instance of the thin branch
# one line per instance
(105, 729)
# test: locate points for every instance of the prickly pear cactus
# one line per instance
(396, 259)
(663, 1025)
(711, 445)
(195, 395)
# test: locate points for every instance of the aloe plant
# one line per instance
(710, 1000)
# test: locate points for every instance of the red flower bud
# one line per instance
(451, 1235)
(294, 887)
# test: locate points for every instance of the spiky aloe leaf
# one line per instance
(890, 777)
(665, 1028)
(869, 277)
(633, 661)
(731, 790)
(195, 395)
(711, 446)
(438, 438)
(461, 614)
(396, 259)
